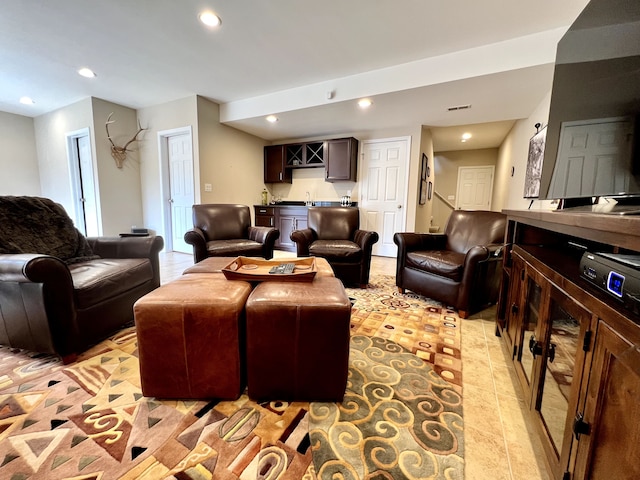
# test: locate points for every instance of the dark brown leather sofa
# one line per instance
(224, 230)
(460, 268)
(62, 303)
(334, 233)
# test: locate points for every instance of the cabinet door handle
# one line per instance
(271, 222)
(280, 175)
(580, 427)
(551, 354)
(534, 346)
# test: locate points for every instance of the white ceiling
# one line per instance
(413, 58)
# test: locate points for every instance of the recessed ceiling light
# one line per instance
(272, 119)
(86, 72)
(466, 136)
(364, 103)
(210, 19)
(27, 100)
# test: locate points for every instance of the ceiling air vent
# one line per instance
(459, 107)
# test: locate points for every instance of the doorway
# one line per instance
(475, 188)
(383, 190)
(83, 185)
(178, 186)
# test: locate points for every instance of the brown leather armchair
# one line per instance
(224, 230)
(334, 233)
(460, 268)
(73, 293)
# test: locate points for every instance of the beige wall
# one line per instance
(424, 212)
(117, 190)
(120, 188)
(312, 180)
(230, 160)
(509, 190)
(446, 173)
(19, 159)
(167, 116)
(51, 130)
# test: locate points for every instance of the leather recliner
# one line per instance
(461, 267)
(224, 230)
(334, 233)
(62, 305)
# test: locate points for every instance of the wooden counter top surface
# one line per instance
(618, 230)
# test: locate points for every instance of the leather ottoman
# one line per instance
(210, 265)
(298, 340)
(191, 335)
(216, 264)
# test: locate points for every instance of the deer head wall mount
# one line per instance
(119, 154)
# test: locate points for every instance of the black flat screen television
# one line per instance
(591, 149)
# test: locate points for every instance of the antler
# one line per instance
(119, 154)
(135, 136)
(106, 125)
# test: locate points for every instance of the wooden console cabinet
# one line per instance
(575, 348)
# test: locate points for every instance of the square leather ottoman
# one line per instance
(191, 336)
(216, 264)
(210, 265)
(298, 340)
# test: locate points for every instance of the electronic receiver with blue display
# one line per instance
(616, 274)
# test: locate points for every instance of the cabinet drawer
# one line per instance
(265, 221)
(264, 211)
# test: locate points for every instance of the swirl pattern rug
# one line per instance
(398, 419)
(89, 419)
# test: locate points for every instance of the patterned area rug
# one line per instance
(89, 419)
(421, 325)
(398, 419)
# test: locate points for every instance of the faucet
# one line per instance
(308, 200)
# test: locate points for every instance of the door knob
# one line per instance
(399, 206)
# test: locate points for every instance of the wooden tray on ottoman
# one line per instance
(257, 270)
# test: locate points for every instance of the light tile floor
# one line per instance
(499, 444)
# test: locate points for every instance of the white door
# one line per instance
(594, 158)
(86, 217)
(181, 188)
(475, 187)
(384, 176)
